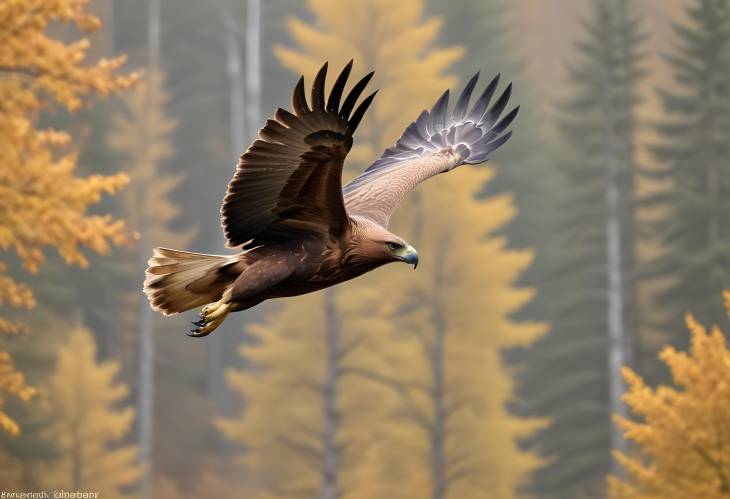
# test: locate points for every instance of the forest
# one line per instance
(563, 337)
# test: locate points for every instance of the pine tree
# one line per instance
(694, 230)
(453, 388)
(684, 431)
(591, 288)
(308, 425)
(39, 188)
(392, 350)
(89, 425)
(526, 169)
(198, 100)
(141, 133)
(327, 437)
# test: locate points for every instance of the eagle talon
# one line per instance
(211, 317)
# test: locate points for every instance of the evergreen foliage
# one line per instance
(694, 228)
(89, 426)
(567, 377)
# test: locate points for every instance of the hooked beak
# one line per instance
(411, 257)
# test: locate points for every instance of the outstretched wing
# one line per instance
(435, 143)
(289, 180)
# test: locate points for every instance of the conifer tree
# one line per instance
(42, 202)
(694, 230)
(451, 423)
(141, 133)
(591, 305)
(325, 439)
(528, 170)
(309, 425)
(428, 351)
(403, 56)
(90, 427)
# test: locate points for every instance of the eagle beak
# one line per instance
(411, 257)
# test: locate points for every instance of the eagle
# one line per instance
(298, 230)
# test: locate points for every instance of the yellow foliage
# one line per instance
(207, 484)
(464, 295)
(11, 383)
(684, 434)
(384, 320)
(142, 133)
(42, 203)
(89, 425)
(283, 420)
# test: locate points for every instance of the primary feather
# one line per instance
(434, 143)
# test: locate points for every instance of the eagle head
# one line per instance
(372, 244)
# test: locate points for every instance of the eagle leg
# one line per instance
(211, 317)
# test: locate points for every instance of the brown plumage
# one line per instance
(298, 229)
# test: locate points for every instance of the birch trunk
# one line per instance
(437, 359)
(237, 139)
(330, 415)
(253, 67)
(615, 319)
(616, 296)
(146, 393)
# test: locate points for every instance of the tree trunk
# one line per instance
(253, 67)
(438, 395)
(237, 140)
(615, 320)
(76, 440)
(330, 414)
(616, 157)
(146, 394)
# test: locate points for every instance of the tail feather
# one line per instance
(177, 281)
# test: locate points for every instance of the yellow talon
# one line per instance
(211, 317)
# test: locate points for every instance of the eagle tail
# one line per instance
(177, 281)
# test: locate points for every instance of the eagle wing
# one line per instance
(435, 143)
(289, 181)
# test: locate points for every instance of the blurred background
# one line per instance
(492, 372)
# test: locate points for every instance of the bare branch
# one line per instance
(457, 459)
(454, 407)
(396, 384)
(349, 346)
(459, 474)
(311, 453)
(414, 414)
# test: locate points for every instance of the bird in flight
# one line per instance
(298, 229)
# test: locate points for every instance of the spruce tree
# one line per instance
(694, 152)
(572, 374)
(90, 427)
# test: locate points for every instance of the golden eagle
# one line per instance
(298, 229)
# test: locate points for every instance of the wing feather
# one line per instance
(290, 179)
(435, 143)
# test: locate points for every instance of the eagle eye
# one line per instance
(393, 246)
